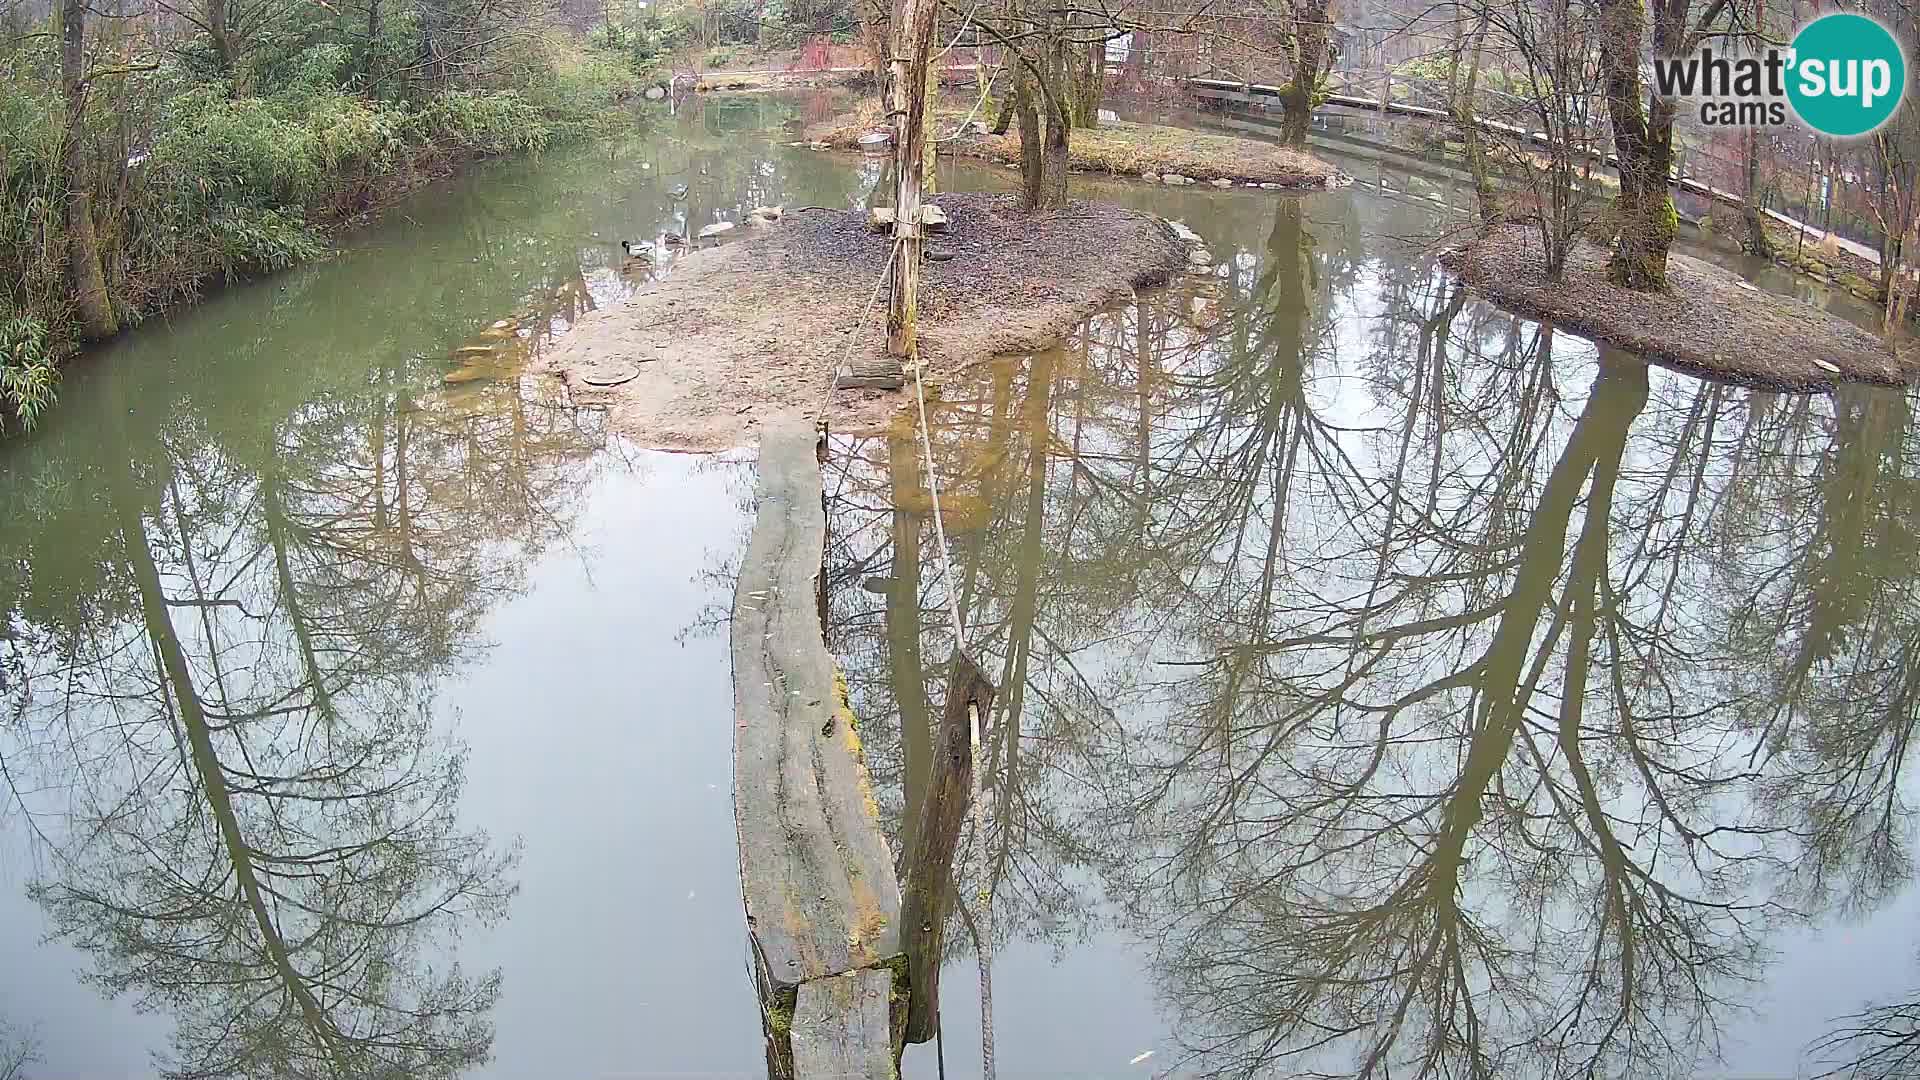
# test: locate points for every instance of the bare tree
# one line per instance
(1645, 219)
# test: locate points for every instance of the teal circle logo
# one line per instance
(1848, 75)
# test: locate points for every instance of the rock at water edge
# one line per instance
(609, 373)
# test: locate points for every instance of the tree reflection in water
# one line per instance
(1453, 701)
(247, 795)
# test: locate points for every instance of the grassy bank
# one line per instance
(199, 174)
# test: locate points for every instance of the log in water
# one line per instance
(822, 901)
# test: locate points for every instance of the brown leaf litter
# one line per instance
(1708, 321)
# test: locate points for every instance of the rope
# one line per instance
(826, 396)
(984, 961)
(962, 129)
(983, 952)
(940, 534)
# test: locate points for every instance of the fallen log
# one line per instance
(816, 876)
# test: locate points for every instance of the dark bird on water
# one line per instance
(674, 239)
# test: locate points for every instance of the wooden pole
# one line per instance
(924, 903)
(912, 50)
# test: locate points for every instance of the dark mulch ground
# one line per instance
(1708, 321)
(758, 324)
(997, 256)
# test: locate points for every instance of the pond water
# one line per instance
(1385, 680)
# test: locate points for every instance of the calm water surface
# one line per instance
(1387, 682)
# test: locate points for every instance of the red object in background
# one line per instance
(815, 55)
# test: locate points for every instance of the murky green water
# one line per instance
(1384, 678)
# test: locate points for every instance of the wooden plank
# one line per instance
(924, 908)
(841, 1028)
(815, 872)
(881, 373)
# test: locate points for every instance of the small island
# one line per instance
(1706, 320)
(745, 329)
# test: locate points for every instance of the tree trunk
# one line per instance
(217, 32)
(1003, 121)
(1310, 19)
(1089, 85)
(1032, 168)
(902, 625)
(908, 83)
(929, 146)
(190, 710)
(1053, 169)
(1900, 278)
(928, 890)
(85, 275)
(1464, 104)
(1644, 214)
(1757, 241)
(1043, 154)
(1133, 70)
(877, 32)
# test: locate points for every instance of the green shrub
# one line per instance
(791, 22)
(245, 240)
(645, 40)
(480, 122)
(285, 150)
(27, 375)
(32, 208)
(570, 90)
(321, 67)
